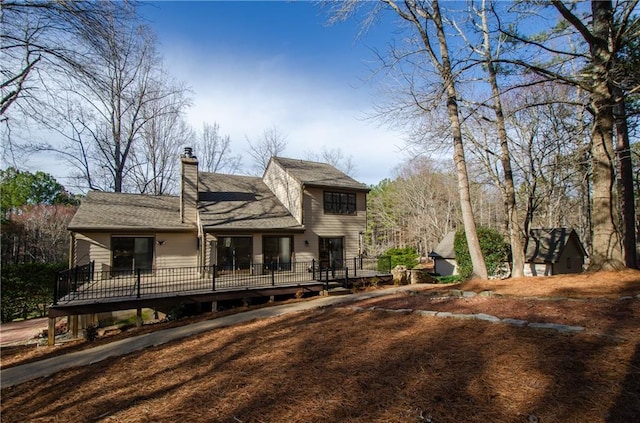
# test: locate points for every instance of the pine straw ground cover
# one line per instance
(362, 362)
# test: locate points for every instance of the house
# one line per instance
(444, 258)
(298, 211)
(548, 252)
(553, 252)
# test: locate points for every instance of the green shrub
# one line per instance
(494, 250)
(448, 279)
(407, 256)
(27, 289)
(384, 264)
(91, 333)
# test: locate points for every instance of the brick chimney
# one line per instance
(189, 187)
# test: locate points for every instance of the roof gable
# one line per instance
(317, 174)
(444, 250)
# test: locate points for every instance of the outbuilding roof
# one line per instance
(547, 245)
(444, 250)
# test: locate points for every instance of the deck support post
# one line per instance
(214, 306)
(51, 334)
(73, 323)
(138, 317)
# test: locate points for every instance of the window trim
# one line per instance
(152, 252)
(340, 203)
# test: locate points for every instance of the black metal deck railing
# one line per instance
(84, 283)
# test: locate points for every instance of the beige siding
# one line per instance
(93, 247)
(319, 224)
(285, 188)
(177, 249)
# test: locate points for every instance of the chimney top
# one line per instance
(188, 153)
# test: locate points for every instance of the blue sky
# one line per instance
(255, 65)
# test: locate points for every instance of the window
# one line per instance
(339, 202)
(234, 253)
(277, 251)
(331, 252)
(130, 253)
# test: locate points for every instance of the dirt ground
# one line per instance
(363, 362)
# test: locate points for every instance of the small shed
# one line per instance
(444, 258)
(553, 251)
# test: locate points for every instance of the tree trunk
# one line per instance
(607, 245)
(477, 259)
(625, 179)
(509, 193)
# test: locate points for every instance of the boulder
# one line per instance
(399, 274)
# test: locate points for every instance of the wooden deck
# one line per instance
(179, 286)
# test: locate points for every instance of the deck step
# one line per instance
(336, 291)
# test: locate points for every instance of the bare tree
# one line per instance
(272, 143)
(121, 89)
(154, 156)
(427, 198)
(426, 21)
(336, 158)
(214, 150)
(31, 47)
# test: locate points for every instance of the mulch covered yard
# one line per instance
(363, 362)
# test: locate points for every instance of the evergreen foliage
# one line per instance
(27, 289)
(492, 244)
(407, 256)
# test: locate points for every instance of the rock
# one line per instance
(420, 276)
(487, 317)
(515, 322)
(399, 274)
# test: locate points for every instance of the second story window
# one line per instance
(339, 202)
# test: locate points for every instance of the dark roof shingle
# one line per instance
(547, 245)
(121, 212)
(318, 174)
(233, 202)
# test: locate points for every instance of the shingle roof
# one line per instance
(444, 249)
(117, 211)
(318, 174)
(232, 202)
(546, 245)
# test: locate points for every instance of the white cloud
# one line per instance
(247, 96)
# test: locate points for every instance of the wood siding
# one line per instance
(286, 189)
(177, 249)
(319, 224)
(93, 247)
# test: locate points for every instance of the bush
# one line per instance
(91, 333)
(27, 289)
(407, 256)
(494, 250)
(447, 279)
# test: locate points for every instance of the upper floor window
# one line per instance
(339, 202)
